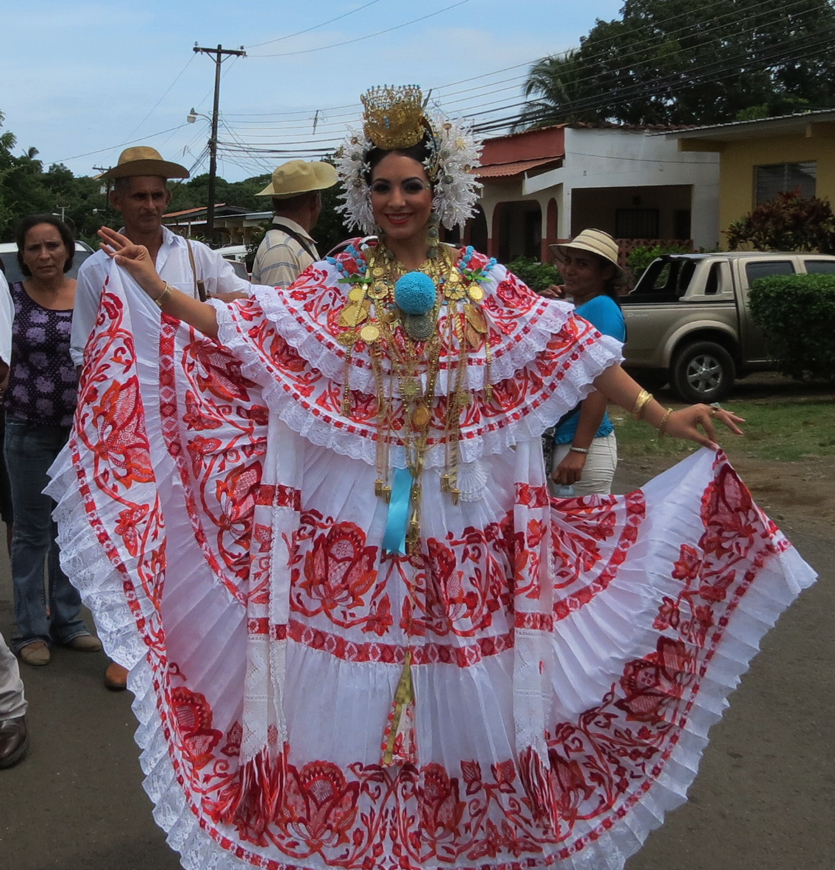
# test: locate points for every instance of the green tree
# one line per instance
(21, 189)
(692, 62)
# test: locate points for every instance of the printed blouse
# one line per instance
(43, 384)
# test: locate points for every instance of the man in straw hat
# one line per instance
(288, 248)
(140, 192)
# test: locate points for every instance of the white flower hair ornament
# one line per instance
(396, 118)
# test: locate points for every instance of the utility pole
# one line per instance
(218, 53)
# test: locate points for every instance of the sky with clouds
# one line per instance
(80, 81)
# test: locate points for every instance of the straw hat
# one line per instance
(300, 176)
(594, 241)
(142, 160)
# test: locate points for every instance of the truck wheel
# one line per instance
(702, 372)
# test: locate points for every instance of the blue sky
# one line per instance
(80, 81)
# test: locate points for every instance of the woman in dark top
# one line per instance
(40, 402)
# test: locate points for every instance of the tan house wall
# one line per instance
(739, 159)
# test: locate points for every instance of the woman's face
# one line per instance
(584, 274)
(44, 253)
(401, 197)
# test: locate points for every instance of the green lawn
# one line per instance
(783, 430)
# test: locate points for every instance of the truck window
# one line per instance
(664, 281)
(766, 268)
(820, 267)
(713, 284)
(685, 273)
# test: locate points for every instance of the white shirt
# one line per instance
(6, 318)
(173, 266)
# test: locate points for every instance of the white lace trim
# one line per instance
(778, 583)
(321, 428)
(319, 424)
(308, 336)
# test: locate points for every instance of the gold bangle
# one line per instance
(662, 428)
(643, 399)
(166, 291)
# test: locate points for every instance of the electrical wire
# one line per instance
(367, 36)
(314, 27)
(167, 91)
(123, 145)
(473, 108)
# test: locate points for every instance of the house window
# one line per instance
(636, 223)
(785, 177)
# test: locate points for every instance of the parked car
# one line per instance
(236, 254)
(688, 321)
(8, 253)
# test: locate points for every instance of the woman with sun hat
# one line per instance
(315, 525)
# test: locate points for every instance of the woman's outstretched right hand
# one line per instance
(135, 259)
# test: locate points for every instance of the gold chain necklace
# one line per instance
(413, 345)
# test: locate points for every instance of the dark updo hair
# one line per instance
(34, 220)
(419, 152)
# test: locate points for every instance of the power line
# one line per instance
(367, 36)
(122, 145)
(314, 27)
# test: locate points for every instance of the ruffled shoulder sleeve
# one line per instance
(520, 360)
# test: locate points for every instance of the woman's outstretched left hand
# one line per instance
(135, 259)
(697, 423)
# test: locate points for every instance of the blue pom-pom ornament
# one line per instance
(415, 293)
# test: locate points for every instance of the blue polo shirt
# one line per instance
(604, 314)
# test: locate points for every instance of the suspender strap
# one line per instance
(294, 235)
(199, 286)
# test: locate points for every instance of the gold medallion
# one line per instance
(357, 294)
(378, 271)
(420, 417)
(369, 333)
(475, 317)
(353, 314)
(475, 292)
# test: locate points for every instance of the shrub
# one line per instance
(538, 276)
(788, 222)
(797, 315)
(642, 256)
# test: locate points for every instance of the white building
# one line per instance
(548, 184)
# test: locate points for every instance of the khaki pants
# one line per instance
(599, 470)
(12, 702)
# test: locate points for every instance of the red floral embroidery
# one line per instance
(193, 718)
(655, 682)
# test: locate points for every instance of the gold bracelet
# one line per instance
(166, 291)
(662, 428)
(643, 398)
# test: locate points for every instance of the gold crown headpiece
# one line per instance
(394, 116)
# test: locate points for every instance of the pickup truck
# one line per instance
(688, 322)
